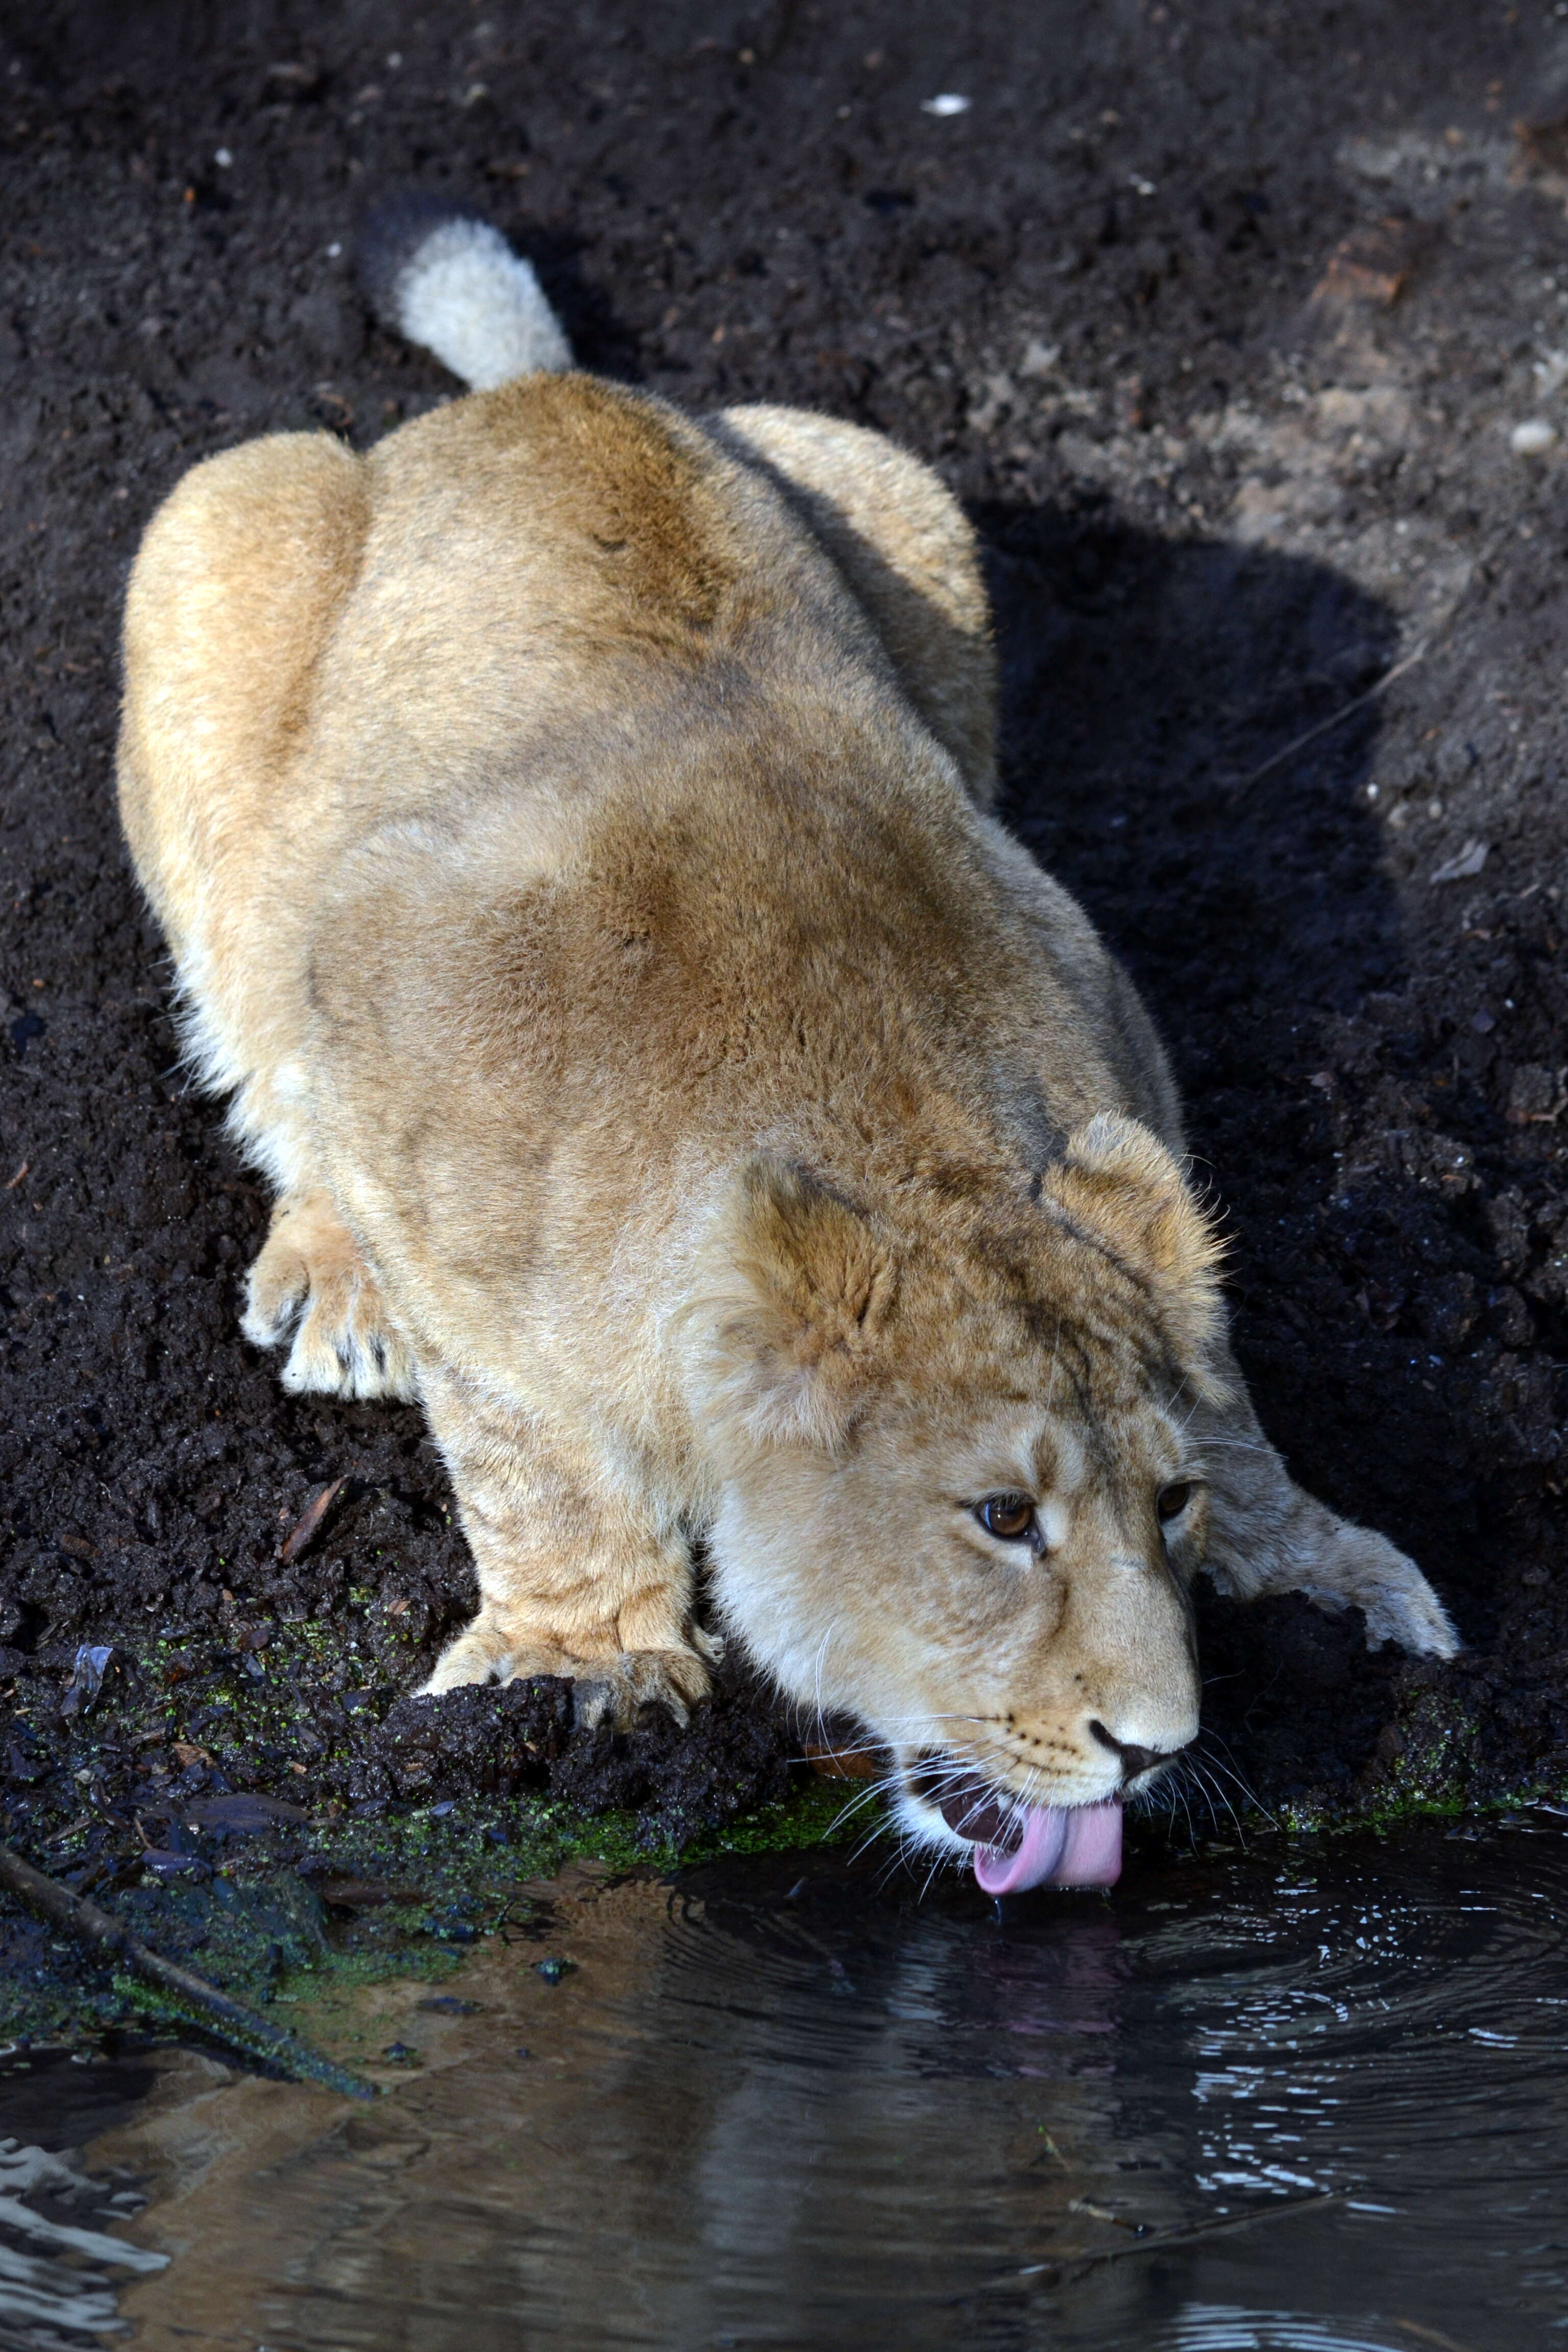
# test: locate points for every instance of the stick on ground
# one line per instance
(228, 2021)
(1346, 710)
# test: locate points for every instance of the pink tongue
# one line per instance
(1081, 1848)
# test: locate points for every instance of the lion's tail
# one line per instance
(446, 279)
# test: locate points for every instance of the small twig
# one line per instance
(228, 2021)
(1103, 2213)
(1357, 702)
(1160, 2240)
(1076, 2266)
(299, 1535)
(1429, 2334)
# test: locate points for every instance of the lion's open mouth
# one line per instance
(1018, 1846)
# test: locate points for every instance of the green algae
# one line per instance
(265, 1927)
(249, 1914)
(259, 1916)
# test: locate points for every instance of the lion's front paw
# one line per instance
(606, 1690)
(613, 1693)
(1358, 1569)
(311, 1285)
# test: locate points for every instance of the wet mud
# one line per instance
(1222, 321)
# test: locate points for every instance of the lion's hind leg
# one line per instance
(909, 555)
(234, 591)
(311, 1290)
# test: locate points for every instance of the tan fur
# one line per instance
(570, 821)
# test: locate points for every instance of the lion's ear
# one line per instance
(793, 1290)
(1116, 1182)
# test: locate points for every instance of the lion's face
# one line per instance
(995, 1588)
(961, 1504)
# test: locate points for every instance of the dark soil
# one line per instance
(1219, 316)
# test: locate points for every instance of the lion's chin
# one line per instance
(1059, 1847)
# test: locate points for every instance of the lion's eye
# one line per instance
(1009, 1517)
(1172, 1501)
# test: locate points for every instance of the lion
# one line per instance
(572, 824)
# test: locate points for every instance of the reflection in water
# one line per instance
(768, 2109)
(56, 2261)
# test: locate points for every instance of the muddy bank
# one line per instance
(1221, 322)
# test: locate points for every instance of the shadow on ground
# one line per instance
(1149, 689)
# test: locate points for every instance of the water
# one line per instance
(770, 2104)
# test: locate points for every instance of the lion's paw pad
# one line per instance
(1365, 1571)
(672, 1679)
(310, 1290)
(608, 1691)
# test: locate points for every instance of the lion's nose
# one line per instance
(1135, 1760)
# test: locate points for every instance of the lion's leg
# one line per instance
(1266, 1535)
(909, 556)
(311, 1287)
(575, 1578)
(235, 591)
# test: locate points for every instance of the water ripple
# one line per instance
(1311, 2100)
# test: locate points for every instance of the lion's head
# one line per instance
(958, 1497)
